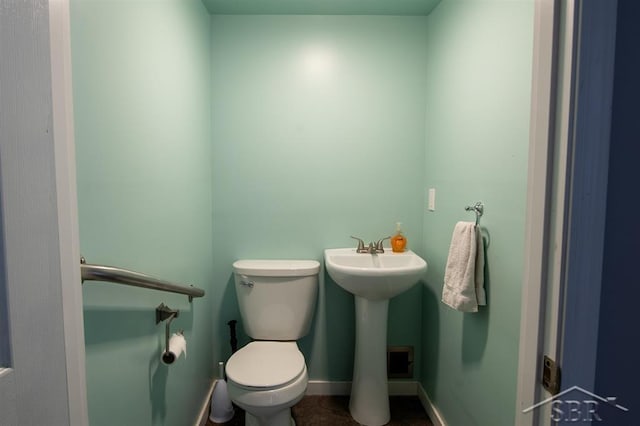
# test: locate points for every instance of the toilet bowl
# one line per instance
(269, 375)
(266, 379)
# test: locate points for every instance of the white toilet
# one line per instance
(277, 299)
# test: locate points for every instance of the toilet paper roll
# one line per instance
(177, 346)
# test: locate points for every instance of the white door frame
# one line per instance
(67, 202)
(537, 232)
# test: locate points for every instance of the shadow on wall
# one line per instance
(111, 324)
(159, 372)
(230, 311)
(340, 330)
(317, 330)
(136, 326)
(333, 325)
(431, 312)
(158, 375)
(475, 326)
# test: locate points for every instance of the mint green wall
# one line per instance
(142, 114)
(479, 79)
(201, 140)
(318, 134)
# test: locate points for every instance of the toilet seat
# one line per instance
(264, 365)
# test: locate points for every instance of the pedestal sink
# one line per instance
(373, 279)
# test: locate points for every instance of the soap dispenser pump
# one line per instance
(398, 241)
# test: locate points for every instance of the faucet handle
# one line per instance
(379, 247)
(360, 248)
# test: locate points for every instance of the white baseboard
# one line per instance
(203, 416)
(432, 411)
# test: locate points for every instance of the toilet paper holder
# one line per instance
(164, 313)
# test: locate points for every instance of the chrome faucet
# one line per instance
(372, 248)
(379, 248)
(360, 248)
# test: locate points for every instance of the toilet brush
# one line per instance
(221, 408)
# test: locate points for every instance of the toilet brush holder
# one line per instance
(221, 408)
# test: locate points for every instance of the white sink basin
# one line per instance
(374, 276)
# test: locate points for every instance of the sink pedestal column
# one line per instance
(369, 403)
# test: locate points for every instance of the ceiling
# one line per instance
(320, 7)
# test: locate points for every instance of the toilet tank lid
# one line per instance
(276, 268)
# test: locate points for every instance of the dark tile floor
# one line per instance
(328, 410)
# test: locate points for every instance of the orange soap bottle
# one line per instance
(398, 241)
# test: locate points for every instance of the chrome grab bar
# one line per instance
(123, 276)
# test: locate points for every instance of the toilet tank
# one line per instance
(277, 298)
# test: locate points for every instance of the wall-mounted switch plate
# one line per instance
(432, 200)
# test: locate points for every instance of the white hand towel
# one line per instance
(464, 275)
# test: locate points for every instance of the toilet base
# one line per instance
(282, 418)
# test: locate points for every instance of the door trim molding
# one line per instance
(67, 205)
(537, 233)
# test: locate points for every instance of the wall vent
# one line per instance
(400, 362)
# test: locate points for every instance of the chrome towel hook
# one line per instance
(478, 209)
